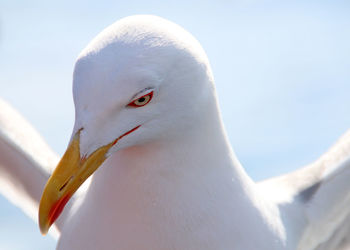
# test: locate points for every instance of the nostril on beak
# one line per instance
(65, 184)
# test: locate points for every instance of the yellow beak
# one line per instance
(68, 176)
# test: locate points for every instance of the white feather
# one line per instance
(26, 161)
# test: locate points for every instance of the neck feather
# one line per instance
(182, 192)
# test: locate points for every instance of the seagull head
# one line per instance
(142, 79)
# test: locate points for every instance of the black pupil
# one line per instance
(142, 99)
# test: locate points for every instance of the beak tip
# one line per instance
(43, 231)
(44, 228)
(46, 219)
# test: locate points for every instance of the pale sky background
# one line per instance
(282, 73)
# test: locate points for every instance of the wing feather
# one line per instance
(319, 194)
(26, 161)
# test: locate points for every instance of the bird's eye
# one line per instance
(141, 101)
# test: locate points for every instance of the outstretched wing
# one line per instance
(318, 196)
(26, 161)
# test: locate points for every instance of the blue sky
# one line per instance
(281, 70)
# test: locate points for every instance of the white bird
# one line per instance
(147, 115)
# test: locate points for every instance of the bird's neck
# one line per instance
(183, 192)
(196, 165)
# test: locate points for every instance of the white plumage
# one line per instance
(174, 182)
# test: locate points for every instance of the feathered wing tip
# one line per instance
(328, 210)
(320, 195)
(26, 161)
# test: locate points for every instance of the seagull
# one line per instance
(148, 129)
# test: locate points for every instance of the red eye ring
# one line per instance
(141, 101)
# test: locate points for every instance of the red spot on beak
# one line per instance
(57, 208)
